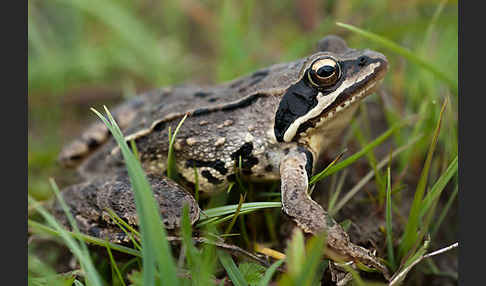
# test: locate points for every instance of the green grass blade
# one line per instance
(114, 266)
(231, 269)
(171, 162)
(370, 175)
(235, 215)
(40, 228)
(295, 253)
(403, 52)
(316, 178)
(370, 146)
(315, 251)
(436, 190)
(337, 192)
(436, 226)
(67, 212)
(388, 219)
(224, 210)
(155, 247)
(125, 227)
(267, 277)
(411, 228)
(82, 256)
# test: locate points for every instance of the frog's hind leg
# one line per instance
(312, 218)
(89, 203)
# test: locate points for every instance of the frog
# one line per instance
(270, 125)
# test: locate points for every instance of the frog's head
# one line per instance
(330, 84)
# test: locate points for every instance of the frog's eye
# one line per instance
(324, 72)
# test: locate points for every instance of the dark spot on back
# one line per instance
(269, 168)
(242, 103)
(247, 159)
(218, 165)
(213, 99)
(213, 180)
(261, 73)
(202, 94)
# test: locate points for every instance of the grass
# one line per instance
(76, 50)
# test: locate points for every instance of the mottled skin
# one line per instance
(277, 120)
(89, 201)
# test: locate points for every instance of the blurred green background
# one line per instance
(85, 53)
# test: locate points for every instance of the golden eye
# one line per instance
(324, 72)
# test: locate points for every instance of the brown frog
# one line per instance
(277, 121)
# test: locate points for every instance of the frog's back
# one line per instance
(160, 108)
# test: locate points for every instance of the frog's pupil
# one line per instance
(325, 71)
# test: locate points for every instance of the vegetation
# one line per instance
(400, 166)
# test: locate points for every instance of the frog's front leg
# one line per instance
(311, 217)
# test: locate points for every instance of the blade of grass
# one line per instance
(436, 226)
(218, 220)
(409, 55)
(388, 219)
(74, 246)
(235, 216)
(434, 193)
(171, 163)
(231, 269)
(229, 209)
(337, 192)
(114, 266)
(40, 228)
(351, 159)
(125, 227)
(267, 277)
(370, 175)
(379, 179)
(194, 258)
(67, 212)
(411, 228)
(316, 178)
(88, 266)
(315, 252)
(155, 247)
(295, 253)
(400, 276)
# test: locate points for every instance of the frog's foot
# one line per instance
(312, 218)
(90, 201)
